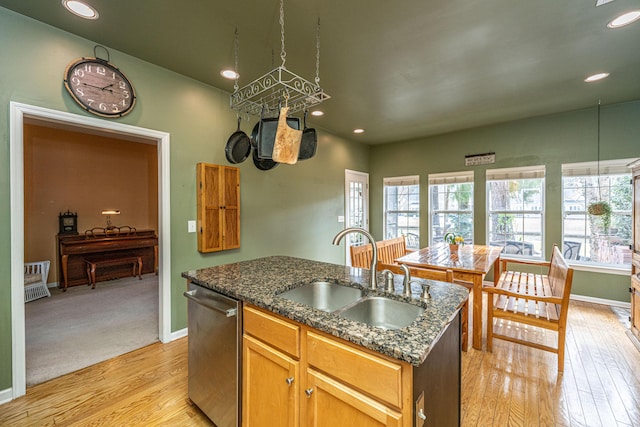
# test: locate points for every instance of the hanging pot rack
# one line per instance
(267, 93)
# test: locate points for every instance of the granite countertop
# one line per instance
(259, 281)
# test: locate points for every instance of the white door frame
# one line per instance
(18, 113)
(364, 176)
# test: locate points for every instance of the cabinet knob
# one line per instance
(421, 414)
(308, 392)
(289, 380)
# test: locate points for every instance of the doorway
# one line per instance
(356, 202)
(19, 114)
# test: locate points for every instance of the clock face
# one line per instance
(99, 87)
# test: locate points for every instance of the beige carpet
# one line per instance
(84, 326)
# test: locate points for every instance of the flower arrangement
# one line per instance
(454, 239)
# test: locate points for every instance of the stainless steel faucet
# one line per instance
(406, 281)
(374, 257)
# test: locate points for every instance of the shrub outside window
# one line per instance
(451, 206)
(597, 239)
(402, 209)
(515, 200)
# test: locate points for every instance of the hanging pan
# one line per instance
(263, 164)
(309, 142)
(267, 135)
(287, 141)
(238, 146)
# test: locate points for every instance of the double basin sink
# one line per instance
(351, 303)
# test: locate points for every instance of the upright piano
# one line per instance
(72, 250)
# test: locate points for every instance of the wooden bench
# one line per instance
(109, 260)
(540, 300)
(388, 251)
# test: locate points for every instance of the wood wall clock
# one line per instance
(99, 87)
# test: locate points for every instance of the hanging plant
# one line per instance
(601, 209)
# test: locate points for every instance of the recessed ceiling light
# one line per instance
(624, 19)
(596, 77)
(81, 9)
(317, 113)
(358, 131)
(229, 74)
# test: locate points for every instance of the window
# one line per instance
(515, 200)
(451, 205)
(402, 209)
(601, 239)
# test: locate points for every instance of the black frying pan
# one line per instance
(238, 146)
(267, 134)
(262, 164)
(309, 142)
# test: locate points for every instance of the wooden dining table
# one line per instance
(469, 264)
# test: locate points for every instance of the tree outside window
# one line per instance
(601, 239)
(402, 209)
(516, 210)
(451, 206)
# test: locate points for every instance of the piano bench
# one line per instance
(109, 260)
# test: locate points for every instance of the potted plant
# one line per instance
(454, 240)
(601, 209)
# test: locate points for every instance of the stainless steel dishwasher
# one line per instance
(215, 354)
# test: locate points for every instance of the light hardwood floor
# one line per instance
(513, 386)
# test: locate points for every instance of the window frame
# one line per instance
(448, 178)
(595, 169)
(400, 181)
(518, 174)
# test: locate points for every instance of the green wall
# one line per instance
(290, 210)
(549, 140)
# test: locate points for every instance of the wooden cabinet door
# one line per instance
(218, 207)
(329, 403)
(269, 386)
(231, 208)
(635, 304)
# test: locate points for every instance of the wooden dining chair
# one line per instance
(441, 276)
(361, 256)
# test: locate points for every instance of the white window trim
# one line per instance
(396, 181)
(464, 177)
(604, 167)
(524, 172)
(401, 180)
(450, 178)
(601, 168)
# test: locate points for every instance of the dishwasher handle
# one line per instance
(229, 312)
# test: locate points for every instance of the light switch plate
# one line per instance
(341, 218)
(191, 226)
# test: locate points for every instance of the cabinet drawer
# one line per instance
(273, 330)
(373, 375)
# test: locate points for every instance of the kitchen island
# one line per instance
(422, 360)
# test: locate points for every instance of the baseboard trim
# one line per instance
(179, 334)
(609, 302)
(633, 339)
(6, 396)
